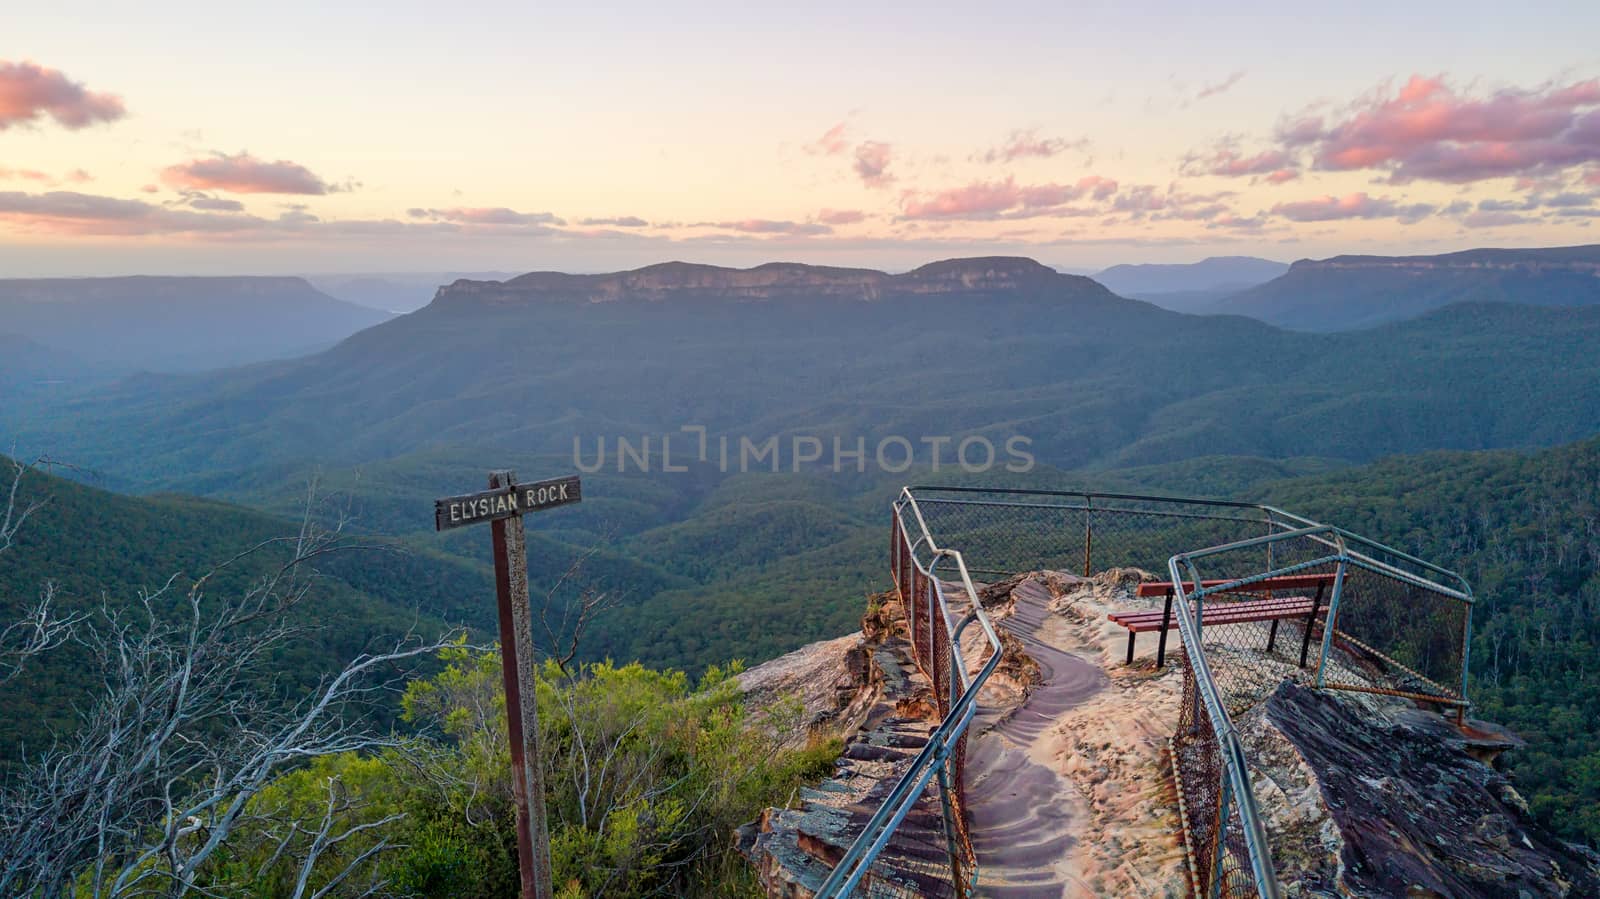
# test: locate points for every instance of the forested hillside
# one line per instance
(1525, 530)
(97, 550)
(1089, 378)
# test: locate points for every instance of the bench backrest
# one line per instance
(1285, 582)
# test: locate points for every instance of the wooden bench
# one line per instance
(1262, 605)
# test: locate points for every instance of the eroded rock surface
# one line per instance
(1417, 814)
(886, 724)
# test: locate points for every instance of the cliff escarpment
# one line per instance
(682, 281)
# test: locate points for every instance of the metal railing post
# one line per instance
(1088, 536)
(1219, 845)
(1466, 657)
(949, 826)
(1331, 620)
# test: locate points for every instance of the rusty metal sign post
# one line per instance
(503, 505)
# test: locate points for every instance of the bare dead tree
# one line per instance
(570, 605)
(40, 627)
(186, 731)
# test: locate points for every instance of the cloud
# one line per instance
(1220, 87)
(1494, 219)
(831, 143)
(245, 174)
(1233, 222)
(872, 163)
(486, 215)
(29, 92)
(768, 226)
(76, 176)
(625, 221)
(1028, 144)
(215, 204)
(1351, 206)
(1226, 161)
(71, 212)
(1429, 131)
(1006, 199)
(841, 216)
(1281, 176)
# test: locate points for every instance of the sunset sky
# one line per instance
(178, 137)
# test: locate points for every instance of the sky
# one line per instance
(204, 138)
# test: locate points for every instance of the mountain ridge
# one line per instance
(774, 281)
(1361, 291)
(1210, 276)
(179, 323)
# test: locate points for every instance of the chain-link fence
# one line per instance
(917, 842)
(1271, 595)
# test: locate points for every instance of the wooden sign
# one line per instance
(503, 505)
(504, 502)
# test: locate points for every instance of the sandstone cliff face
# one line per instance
(775, 281)
(1070, 788)
(887, 718)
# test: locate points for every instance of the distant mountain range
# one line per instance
(1348, 292)
(1191, 287)
(962, 347)
(23, 361)
(397, 292)
(177, 324)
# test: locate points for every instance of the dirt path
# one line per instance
(1024, 813)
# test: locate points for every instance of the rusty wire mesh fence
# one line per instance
(1004, 532)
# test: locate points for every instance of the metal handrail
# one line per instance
(875, 835)
(1237, 790)
(1235, 767)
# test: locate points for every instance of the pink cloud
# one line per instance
(1350, 206)
(1228, 162)
(1028, 144)
(996, 199)
(768, 226)
(491, 216)
(841, 216)
(69, 212)
(76, 176)
(1494, 219)
(624, 221)
(831, 143)
(1428, 131)
(29, 91)
(1282, 176)
(215, 204)
(245, 174)
(872, 163)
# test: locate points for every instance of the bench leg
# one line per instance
(1272, 636)
(1166, 622)
(1311, 623)
(1131, 635)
